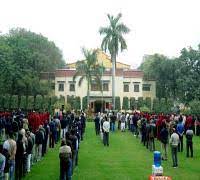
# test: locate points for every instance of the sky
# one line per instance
(157, 26)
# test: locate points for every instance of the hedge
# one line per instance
(117, 103)
(133, 104)
(125, 104)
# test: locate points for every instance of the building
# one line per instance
(129, 83)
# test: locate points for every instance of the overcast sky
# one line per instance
(157, 26)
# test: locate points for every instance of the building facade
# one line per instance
(129, 83)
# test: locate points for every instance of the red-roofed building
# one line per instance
(129, 83)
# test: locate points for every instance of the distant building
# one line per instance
(129, 83)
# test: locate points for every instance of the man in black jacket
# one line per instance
(164, 141)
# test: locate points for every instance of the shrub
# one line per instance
(30, 102)
(125, 104)
(195, 107)
(14, 102)
(133, 104)
(117, 103)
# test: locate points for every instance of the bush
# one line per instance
(1, 101)
(148, 102)
(7, 101)
(30, 102)
(125, 105)
(14, 102)
(163, 105)
(140, 102)
(46, 103)
(195, 107)
(145, 109)
(117, 103)
(39, 102)
(77, 103)
(156, 106)
(84, 103)
(23, 102)
(133, 104)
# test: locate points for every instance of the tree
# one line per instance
(140, 102)
(23, 56)
(156, 105)
(86, 70)
(113, 41)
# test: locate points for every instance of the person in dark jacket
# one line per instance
(189, 143)
(164, 141)
(39, 137)
(19, 158)
(52, 126)
(97, 124)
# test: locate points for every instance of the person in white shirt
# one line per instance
(174, 141)
(106, 128)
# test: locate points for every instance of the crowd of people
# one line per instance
(169, 130)
(25, 139)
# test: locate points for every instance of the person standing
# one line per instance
(189, 143)
(11, 146)
(174, 141)
(29, 151)
(106, 128)
(123, 120)
(180, 131)
(65, 158)
(164, 141)
(97, 124)
(2, 162)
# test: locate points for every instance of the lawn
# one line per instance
(124, 159)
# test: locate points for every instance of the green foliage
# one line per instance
(125, 104)
(23, 102)
(14, 102)
(163, 105)
(145, 109)
(30, 104)
(133, 103)
(46, 103)
(156, 105)
(77, 103)
(148, 102)
(169, 105)
(23, 56)
(195, 107)
(39, 102)
(117, 103)
(140, 102)
(1, 101)
(7, 101)
(84, 103)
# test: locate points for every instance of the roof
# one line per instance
(102, 57)
(119, 72)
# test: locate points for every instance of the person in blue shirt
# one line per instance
(180, 131)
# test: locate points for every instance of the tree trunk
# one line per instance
(88, 94)
(113, 58)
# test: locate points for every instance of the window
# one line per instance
(105, 87)
(146, 87)
(95, 87)
(136, 88)
(126, 87)
(61, 87)
(71, 87)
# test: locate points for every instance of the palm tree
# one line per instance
(86, 69)
(113, 41)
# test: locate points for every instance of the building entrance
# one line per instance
(98, 106)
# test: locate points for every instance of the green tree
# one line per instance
(113, 41)
(86, 70)
(195, 107)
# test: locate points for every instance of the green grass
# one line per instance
(124, 159)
